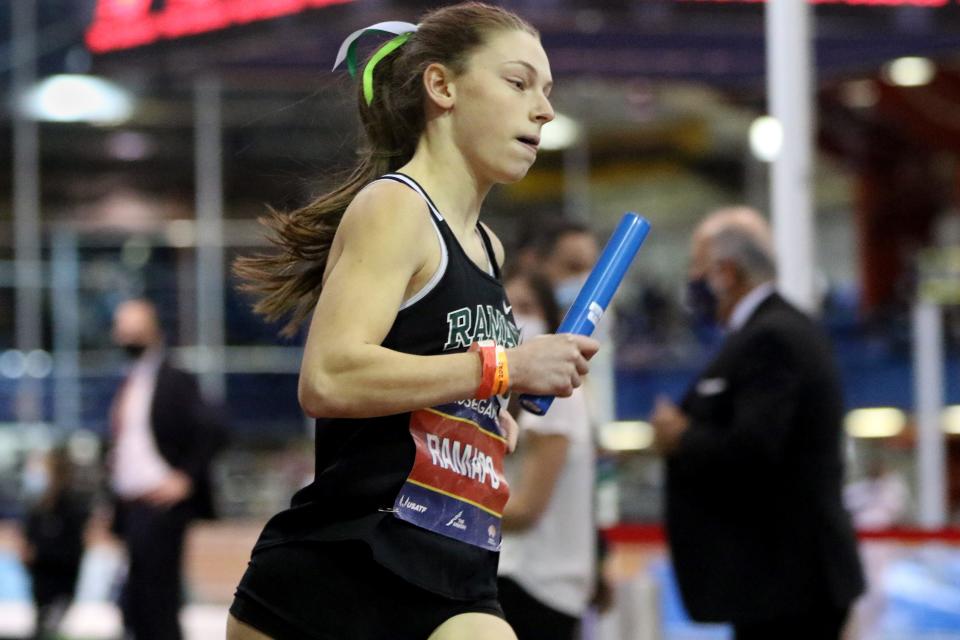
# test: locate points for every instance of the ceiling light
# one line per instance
(38, 364)
(875, 422)
(910, 72)
(766, 138)
(560, 133)
(12, 364)
(626, 435)
(77, 98)
(951, 419)
(181, 233)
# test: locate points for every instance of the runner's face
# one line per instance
(502, 103)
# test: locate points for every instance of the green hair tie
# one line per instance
(381, 53)
(348, 50)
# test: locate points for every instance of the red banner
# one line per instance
(124, 24)
(852, 3)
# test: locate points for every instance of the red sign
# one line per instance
(123, 24)
(852, 3)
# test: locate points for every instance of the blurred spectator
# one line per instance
(567, 252)
(547, 564)
(164, 437)
(755, 519)
(530, 233)
(53, 532)
(879, 500)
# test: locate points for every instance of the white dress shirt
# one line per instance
(749, 303)
(138, 467)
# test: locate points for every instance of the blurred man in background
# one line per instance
(755, 519)
(164, 437)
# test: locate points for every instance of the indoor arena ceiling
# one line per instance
(627, 66)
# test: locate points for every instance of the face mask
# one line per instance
(566, 290)
(701, 302)
(134, 350)
(530, 326)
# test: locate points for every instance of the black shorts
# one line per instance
(530, 618)
(337, 591)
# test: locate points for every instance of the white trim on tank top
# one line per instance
(444, 257)
(416, 187)
(410, 182)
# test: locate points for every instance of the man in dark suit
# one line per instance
(164, 438)
(755, 521)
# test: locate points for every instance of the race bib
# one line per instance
(457, 487)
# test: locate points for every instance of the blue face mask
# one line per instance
(134, 350)
(566, 291)
(701, 302)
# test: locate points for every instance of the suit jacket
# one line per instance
(755, 518)
(188, 434)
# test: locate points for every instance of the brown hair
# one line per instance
(289, 281)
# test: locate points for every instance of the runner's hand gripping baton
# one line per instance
(592, 301)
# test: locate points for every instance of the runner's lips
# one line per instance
(531, 141)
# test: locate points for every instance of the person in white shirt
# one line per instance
(547, 563)
(163, 438)
(880, 499)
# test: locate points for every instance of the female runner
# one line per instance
(411, 348)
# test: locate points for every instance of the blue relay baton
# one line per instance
(598, 290)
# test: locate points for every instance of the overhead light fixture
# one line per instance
(951, 419)
(13, 364)
(38, 364)
(910, 71)
(626, 435)
(766, 138)
(560, 133)
(875, 422)
(77, 98)
(181, 233)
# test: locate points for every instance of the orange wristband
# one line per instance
(502, 375)
(488, 367)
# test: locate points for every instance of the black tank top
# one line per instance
(370, 483)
